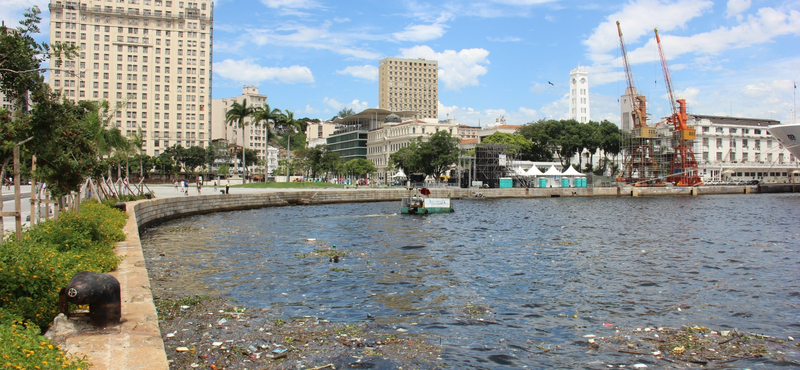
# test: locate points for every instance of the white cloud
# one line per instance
(303, 4)
(321, 38)
(333, 103)
(247, 71)
(736, 7)
(310, 110)
(356, 105)
(539, 88)
(523, 2)
(11, 11)
(367, 72)
(473, 117)
(504, 39)
(456, 69)
(424, 32)
(420, 32)
(637, 19)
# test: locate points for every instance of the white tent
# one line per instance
(519, 171)
(552, 171)
(533, 171)
(571, 172)
(400, 174)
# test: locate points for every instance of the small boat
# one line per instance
(474, 196)
(419, 205)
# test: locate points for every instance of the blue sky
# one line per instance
(314, 57)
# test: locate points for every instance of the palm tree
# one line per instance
(236, 116)
(137, 139)
(265, 114)
(288, 120)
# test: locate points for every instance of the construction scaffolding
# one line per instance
(491, 162)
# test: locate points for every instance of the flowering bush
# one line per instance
(35, 268)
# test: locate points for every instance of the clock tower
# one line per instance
(579, 95)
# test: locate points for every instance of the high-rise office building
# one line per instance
(150, 59)
(409, 85)
(579, 95)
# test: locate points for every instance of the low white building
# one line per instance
(733, 148)
(394, 134)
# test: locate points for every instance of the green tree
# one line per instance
(195, 158)
(237, 116)
(407, 158)
(344, 112)
(520, 142)
(438, 153)
(360, 167)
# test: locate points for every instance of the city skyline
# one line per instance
(499, 57)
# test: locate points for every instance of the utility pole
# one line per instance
(288, 155)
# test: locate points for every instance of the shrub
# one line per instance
(34, 269)
(21, 347)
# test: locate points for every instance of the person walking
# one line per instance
(215, 187)
(185, 187)
(199, 186)
(176, 185)
(227, 186)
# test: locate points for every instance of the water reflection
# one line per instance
(530, 265)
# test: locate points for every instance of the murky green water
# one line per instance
(511, 271)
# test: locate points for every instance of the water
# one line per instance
(498, 282)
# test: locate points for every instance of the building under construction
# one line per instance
(660, 154)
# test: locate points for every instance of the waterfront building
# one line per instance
(409, 85)
(152, 58)
(318, 132)
(579, 95)
(395, 133)
(7, 104)
(735, 149)
(253, 136)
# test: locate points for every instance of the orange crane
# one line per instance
(640, 167)
(683, 168)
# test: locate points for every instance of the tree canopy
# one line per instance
(432, 157)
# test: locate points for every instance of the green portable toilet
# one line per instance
(583, 182)
(542, 182)
(506, 183)
(564, 182)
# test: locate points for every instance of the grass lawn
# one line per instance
(288, 185)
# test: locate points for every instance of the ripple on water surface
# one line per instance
(500, 281)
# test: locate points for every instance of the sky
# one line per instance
(506, 58)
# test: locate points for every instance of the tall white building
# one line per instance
(409, 85)
(150, 57)
(579, 95)
(253, 136)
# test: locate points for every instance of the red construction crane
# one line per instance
(683, 168)
(640, 167)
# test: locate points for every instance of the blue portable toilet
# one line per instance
(564, 182)
(542, 182)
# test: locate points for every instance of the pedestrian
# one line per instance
(176, 185)
(185, 187)
(125, 186)
(215, 187)
(199, 185)
(227, 186)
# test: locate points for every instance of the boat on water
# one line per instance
(420, 205)
(789, 136)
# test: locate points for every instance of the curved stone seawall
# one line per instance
(137, 343)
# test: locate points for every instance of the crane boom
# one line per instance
(628, 73)
(684, 169)
(667, 78)
(638, 102)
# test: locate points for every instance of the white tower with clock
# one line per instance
(579, 95)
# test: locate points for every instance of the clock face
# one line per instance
(583, 80)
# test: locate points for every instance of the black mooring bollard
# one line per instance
(100, 292)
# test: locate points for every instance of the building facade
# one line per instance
(579, 95)
(318, 132)
(150, 59)
(395, 133)
(252, 136)
(740, 149)
(409, 85)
